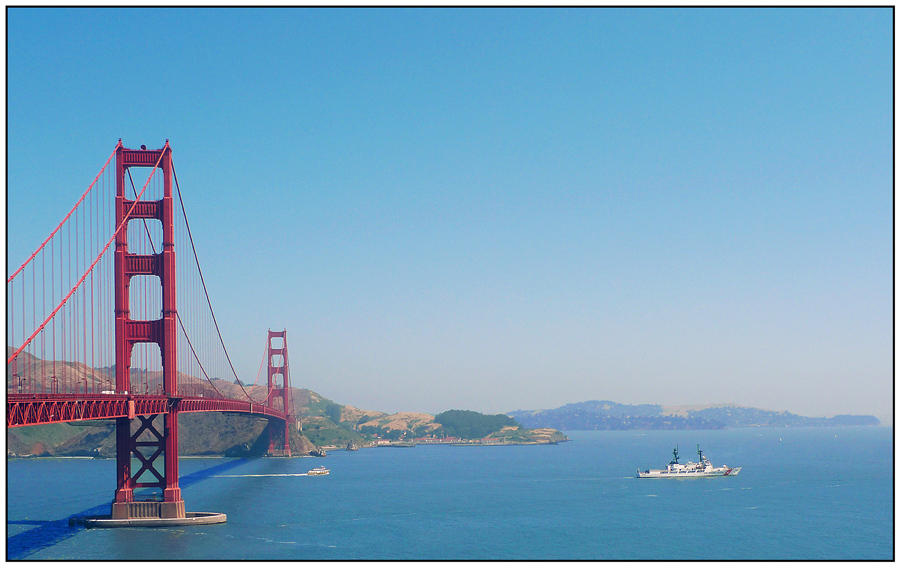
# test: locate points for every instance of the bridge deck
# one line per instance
(36, 409)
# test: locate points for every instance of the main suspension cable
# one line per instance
(261, 362)
(84, 277)
(206, 293)
(197, 358)
(91, 186)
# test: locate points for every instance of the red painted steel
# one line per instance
(37, 409)
(283, 392)
(124, 408)
(162, 331)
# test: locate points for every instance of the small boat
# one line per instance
(318, 471)
(690, 470)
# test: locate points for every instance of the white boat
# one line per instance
(318, 471)
(690, 470)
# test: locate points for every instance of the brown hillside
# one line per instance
(404, 420)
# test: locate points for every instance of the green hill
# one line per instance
(471, 425)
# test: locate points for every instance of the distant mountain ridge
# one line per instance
(607, 415)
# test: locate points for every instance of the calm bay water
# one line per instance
(802, 494)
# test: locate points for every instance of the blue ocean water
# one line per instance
(806, 494)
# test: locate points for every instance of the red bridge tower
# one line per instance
(162, 445)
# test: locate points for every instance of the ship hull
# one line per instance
(723, 471)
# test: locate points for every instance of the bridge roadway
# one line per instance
(36, 409)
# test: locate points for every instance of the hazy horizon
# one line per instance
(886, 420)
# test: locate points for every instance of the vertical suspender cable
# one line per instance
(93, 235)
(52, 301)
(78, 283)
(64, 219)
(91, 307)
(83, 250)
(203, 283)
(43, 304)
(12, 316)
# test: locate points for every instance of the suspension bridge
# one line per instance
(101, 325)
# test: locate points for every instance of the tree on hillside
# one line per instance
(471, 424)
(333, 412)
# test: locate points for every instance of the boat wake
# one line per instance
(257, 475)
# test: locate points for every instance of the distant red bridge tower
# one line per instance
(278, 366)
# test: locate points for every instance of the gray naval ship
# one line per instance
(689, 470)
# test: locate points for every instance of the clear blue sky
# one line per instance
(500, 209)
